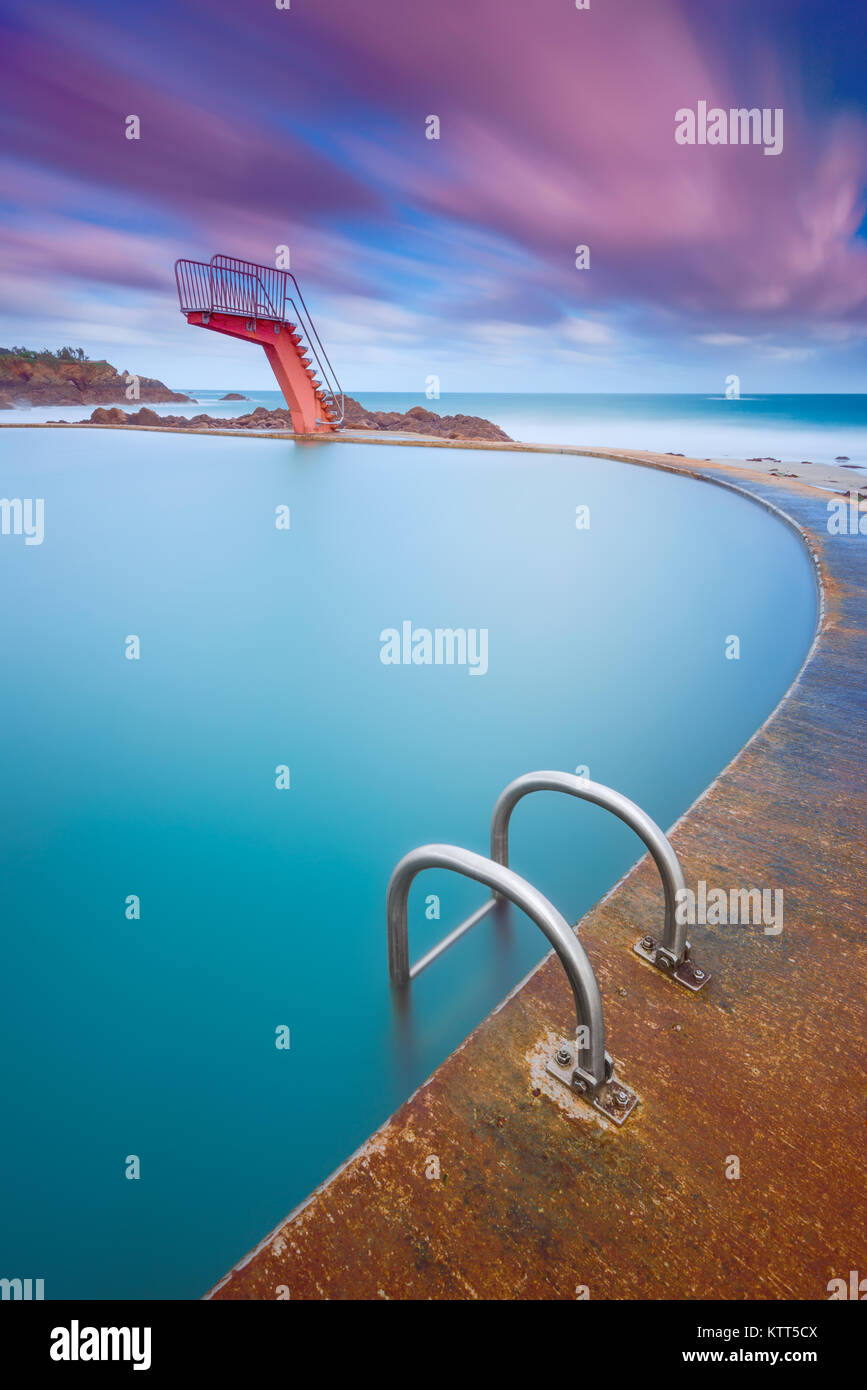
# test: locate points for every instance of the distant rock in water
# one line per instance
(64, 378)
(234, 396)
(415, 421)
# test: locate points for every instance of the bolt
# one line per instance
(663, 962)
(563, 1057)
(647, 943)
(619, 1097)
(579, 1083)
(699, 974)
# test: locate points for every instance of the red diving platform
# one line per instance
(262, 305)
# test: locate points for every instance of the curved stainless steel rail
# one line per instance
(584, 1065)
(674, 933)
(573, 957)
(672, 952)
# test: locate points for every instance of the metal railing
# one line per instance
(583, 1064)
(227, 285)
(671, 952)
(573, 957)
(674, 941)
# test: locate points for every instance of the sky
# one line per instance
(308, 127)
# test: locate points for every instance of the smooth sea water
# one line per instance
(817, 429)
(794, 429)
(263, 908)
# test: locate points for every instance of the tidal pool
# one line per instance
(173, 900)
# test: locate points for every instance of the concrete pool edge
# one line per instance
(300, 1255)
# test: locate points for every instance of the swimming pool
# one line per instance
(261, 907)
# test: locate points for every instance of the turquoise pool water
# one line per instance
(263, 908)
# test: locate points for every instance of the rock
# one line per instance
(418, 420)
(415, 421)
(234, 396)
(842, 458)
(112, 416)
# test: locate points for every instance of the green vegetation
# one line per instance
(64, 354)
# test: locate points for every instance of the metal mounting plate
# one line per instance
(608, 1095)
(687, 973)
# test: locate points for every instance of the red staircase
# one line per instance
(259, 304)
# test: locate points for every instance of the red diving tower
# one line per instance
(259, 304)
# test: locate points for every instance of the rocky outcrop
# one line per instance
(43, 378)
(421, 421)
(260, 419)
(415, 421)
(66, 377)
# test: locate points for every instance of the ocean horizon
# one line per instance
(803, 428)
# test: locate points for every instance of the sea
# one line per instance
(819, 429)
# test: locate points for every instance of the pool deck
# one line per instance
(541, 1198)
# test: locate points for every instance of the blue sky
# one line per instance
(456, 257)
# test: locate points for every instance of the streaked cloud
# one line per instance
(306, 127)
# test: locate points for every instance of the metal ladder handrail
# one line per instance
(673, 952)
(308, 332)
(593, 1061)
(674, 941)
(337, 389)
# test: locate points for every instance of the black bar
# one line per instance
(256, 1341)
